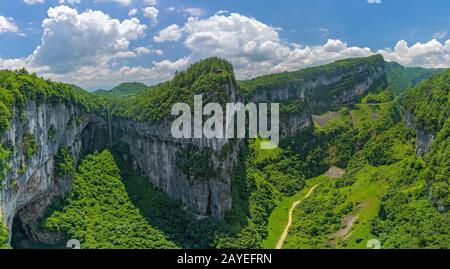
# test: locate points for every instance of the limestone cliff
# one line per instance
(159, 157)
(34, 137)
(424, 138)
(317, 90)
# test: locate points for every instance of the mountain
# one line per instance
(402, 78)
(325, 87)
(123, 90)
(217, 193)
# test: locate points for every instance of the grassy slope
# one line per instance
(401, 78)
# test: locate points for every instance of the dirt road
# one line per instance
(288, 225)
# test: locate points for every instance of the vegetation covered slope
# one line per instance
(438, 168)
(429, 102)
(385, 192)
(4, 236)
(123, 90)
(207, 77)
(401, 79)
(99, 212)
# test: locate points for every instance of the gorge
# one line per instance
(199, 173)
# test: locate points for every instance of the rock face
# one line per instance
(322, 93)
(31, 185)
(424, 139)
(328, 90)
(153, 152)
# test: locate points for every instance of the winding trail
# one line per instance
(288, 225)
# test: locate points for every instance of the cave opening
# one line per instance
(26, 232)
(22, 237)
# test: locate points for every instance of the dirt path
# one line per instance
(344, 232)
(288, 225)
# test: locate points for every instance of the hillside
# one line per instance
(401, 78)
(326, 87)
(123, 90)
(384, 193)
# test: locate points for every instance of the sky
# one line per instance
(98, 44)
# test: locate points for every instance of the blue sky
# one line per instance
(98, 43)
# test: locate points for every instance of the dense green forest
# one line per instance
(4, 236)
(99, 211)
(401, 79)
(429, 102)
(206, 77)
(123, 90)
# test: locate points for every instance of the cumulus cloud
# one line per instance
(374, 1)
(92, 49)
(72, 40)
(7, 25)
(432, 54)
(81, 47)
(254, 47)
(151, 13)
(122, 2)
(170, 33)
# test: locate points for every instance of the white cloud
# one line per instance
(33, 2)
(222, 12)
(432, 54)
(150, 2)
(256, 48)
(92, 50)
(170, 33)
(122, 2)
(132, 12)
(7, 25)
(194, 12)
(145, 50)
(62, 2)
(374, 1)
(72, 40)
(440, 35)
(151, 13)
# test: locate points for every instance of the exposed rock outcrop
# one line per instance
(326, 91)
(34, 137)
(424, 139)
(153, 151)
